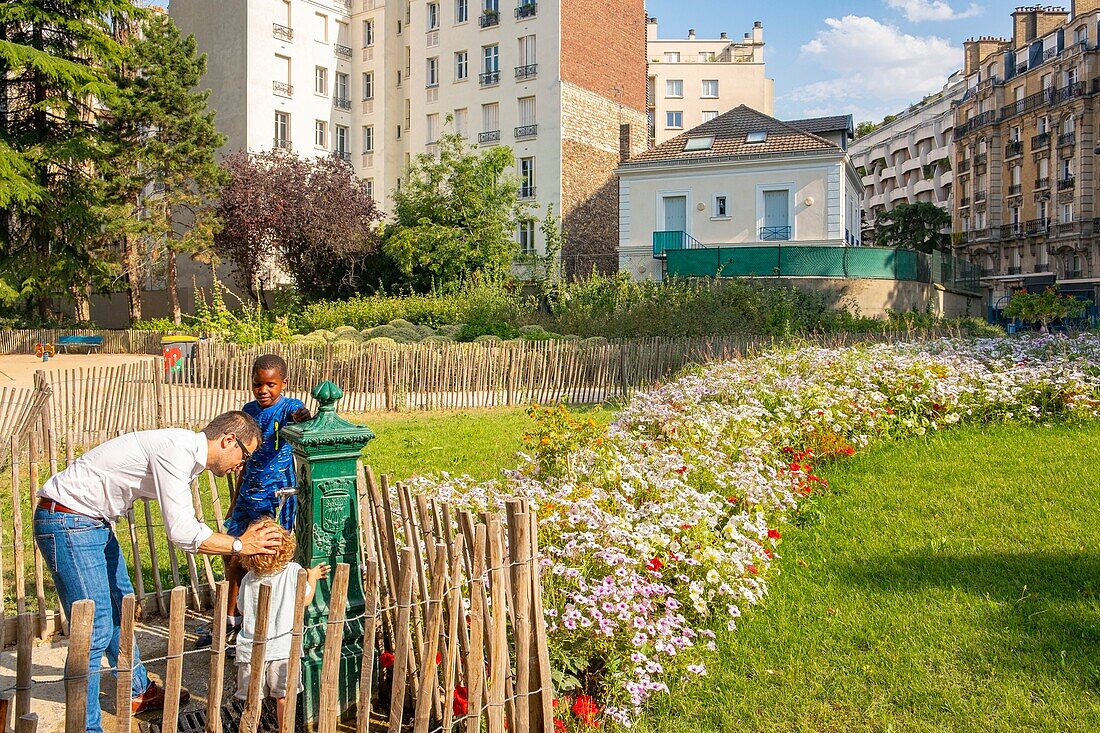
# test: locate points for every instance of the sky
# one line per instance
(867, 58)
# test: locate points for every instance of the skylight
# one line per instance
(699, 143)
(756, 137)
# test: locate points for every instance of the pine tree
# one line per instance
(163, 170)
(54, 58)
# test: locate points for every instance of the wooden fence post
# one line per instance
(23, 652)
(76, 666)
(403, 639)
(250, 718)
(173, 676)
(433, 626)
(329, 700)
(27, 723)
(294, 661)
(217, 659)
(370, 627)
(125, 665)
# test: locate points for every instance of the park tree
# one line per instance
(312, 218)
(1043, 308)
(54, 85)
(918, 226)
(454, 216)
(162, 173)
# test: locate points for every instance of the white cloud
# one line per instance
(920, 10)
(873, 67)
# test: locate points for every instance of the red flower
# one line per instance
(439, 657)
(654, 564)
(752, 569)
(554, 702)
(386, 658)
(559, 726)
(773, 534)
(682, 470)
(685, 526)
(796, 467)
(849, 450)
(731, 499)
(461, 703)
(586, 709)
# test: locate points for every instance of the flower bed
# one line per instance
(662, 528)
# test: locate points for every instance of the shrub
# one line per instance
(488, 339)
(473, 331)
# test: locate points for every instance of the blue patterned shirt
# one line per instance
(271, 466)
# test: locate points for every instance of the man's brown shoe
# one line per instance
(153, 698)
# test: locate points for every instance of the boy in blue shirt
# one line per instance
(268, 476)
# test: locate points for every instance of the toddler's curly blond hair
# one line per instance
(271, 564)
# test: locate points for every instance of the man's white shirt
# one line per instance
(153, 464)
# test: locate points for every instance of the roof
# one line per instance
(819, 125)
(730, 130)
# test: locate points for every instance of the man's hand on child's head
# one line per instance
(300, 415)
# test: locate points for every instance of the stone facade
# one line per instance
(592, 133)
(603, 49)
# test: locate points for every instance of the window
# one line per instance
(368, 139)
(672, 57)
(282, 130)
(432, 128)
(433, 72)
(320, 80)
(1069, 125)
(674, 120)
(1041, 210)
(462, 65)
(1041, 125)
(526, 178)
(368, 33)
(342, 33)
(282, 69)
(462, 11)
(433, 16)
(370, 187)
(526, 237)
(526, 111)
(1015, 214)
(709, 115)
(1014, 135)
(320, 134)
(756, 137)
(699, 143)
(368, 85)
(710, 88)
(674, 87)
(320, 27)
(491, 5)
(341, 90)
(1044, 168)
(1071, 76)
(284, 15)
(527, 50)
(342, 141)
(1067, 169)
(490, 59)
(1016, 175)
(1067, 213)
(490, 117)
(462, 122)
(1048, 81)
(399, 132)
(720, 209)
(706, 56)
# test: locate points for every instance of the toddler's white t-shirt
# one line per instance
(280, 618)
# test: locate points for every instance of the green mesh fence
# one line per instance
(824, 261)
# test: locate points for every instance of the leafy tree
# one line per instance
(312, 218)
(162, 171)
(918, 226)
(454, 216)
(867, 127)
(1043, 308)
(53, 61)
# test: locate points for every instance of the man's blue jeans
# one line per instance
(86, 562)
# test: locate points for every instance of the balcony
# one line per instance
(526, 10)
(526, 192)
(775, 234)
(964, 165)
(488, 138)
(980, 196)
(1036, 227)
(1072, 91)
(1015, 189)
(342, 155)
(1067, 138)
(339, 103)
(344, 51)
(1072, 274)
(1040, 141)
(489, 18)
(1015, 270)
(281, 143)
(974, 123)
(282, 88)
(282, 32)
(981, 158)
(1064, 184)
(987, 272)
(527, 72)
(1066, 229)
(489, 78)
(1009, 231)
(964, 202)
(1014, 149)
(526, 131)
(1042, 183)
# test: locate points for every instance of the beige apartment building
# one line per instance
(1025, 145)
(693, 80)
(377, 81)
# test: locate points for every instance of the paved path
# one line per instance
(17, 370)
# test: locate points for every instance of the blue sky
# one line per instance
(867, 58)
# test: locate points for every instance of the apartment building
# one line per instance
(1025, 145)
(693, 81)
(377, 81)
(908, 160)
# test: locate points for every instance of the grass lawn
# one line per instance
(947, 584)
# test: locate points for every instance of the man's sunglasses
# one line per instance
(245, 453)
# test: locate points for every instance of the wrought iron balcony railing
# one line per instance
(489, 78)
(282, 32)
(489, 18)
(525, 131)
(526, 10)
(493, 136)
(527, 71)
(775, 234)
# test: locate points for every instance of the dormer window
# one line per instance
(699, 143)
(756, 137)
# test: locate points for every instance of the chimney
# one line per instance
(758, 24)
(724, 37)
(691, 34)
(624, 142)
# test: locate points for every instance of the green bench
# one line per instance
(91, 343)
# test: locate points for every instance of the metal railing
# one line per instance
(281, 143)
(526, 10)
(281, 87)
(964, 201)
(339, 103)
(1015, 189)
(342, 155)
(981, 158)
(282, 32)
(979, 196)
(775, 234)
(1040, 141)
(1073, 274)
(489, 78)
(344, 51)
(1066, 183)
(1009, 231)
(1077, 89)
(527, 71)
(1038, 226)
(489, 18)
(524, 131)
(493, 136)
(1015, 270)
(1066, 228)
(1067, 138)
(1014, 148)
(1042, 182)
(527, 192)
(668, 241)
(964, 165)
(974, 123)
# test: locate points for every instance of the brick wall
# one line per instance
(603, 45)
(591, 139)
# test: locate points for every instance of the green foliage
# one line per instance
(1043, 308)
(454, 216)
(475, 331)
(918, 226)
